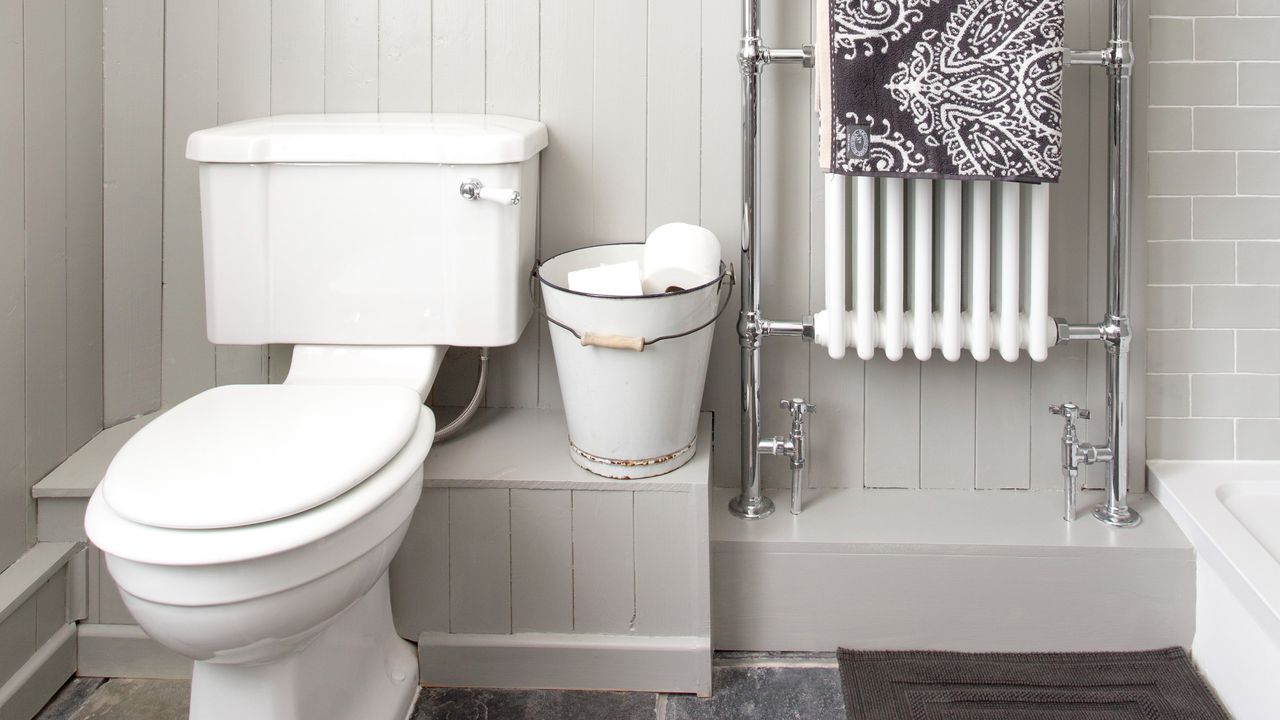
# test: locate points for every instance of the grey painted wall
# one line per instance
(641, 98)
(51, 339)
(1214, 381)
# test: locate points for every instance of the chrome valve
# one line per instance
(794, 447)
(1075, 454)
(799, 407)
(1069, 412)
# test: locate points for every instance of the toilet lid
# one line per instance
(246, 454)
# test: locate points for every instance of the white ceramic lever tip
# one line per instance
(504, 196)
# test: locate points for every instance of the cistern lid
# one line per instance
(426, 138)
(247, 454)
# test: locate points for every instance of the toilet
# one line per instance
(250, 528)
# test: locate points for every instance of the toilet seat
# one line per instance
(138, 542)
(248, 454)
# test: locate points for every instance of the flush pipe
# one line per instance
(460, 422)
(1113, 331)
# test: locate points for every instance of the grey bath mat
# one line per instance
(1152, 685)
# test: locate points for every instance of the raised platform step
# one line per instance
(517, 560)
(948, 569)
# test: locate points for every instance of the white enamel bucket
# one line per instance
(631, 368)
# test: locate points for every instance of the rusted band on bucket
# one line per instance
(633, 463)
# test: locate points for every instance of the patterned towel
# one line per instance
(964, 89)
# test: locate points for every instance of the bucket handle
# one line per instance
(625, 342)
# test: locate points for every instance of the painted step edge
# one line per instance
(80, 473)
(543, 459)
(566, 661)
(40, 677)
(995, 522)
(30, 571)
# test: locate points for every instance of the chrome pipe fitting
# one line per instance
(794, 447)
(751, 55)
(1084, 57)
(1075, 332)
(802, 329)
(802, 56)
(799, 409)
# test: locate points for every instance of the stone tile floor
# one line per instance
(747, 687)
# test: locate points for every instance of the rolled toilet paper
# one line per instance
(619, 280)
(673, 279)
(679, 255)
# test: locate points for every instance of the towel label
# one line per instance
(858, 139)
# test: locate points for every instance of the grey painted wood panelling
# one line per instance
(479, 560)
(584, 555)
(51, 193)
(420, 579)
(84, 221)
(604, 578)
(642, 105)
(133, 101)
(190, 103)
(45, 160)
(13, 456)
(541, 560)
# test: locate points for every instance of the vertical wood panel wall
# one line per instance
(51, 252)
(641, 99)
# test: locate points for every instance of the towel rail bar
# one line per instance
(1117, 60)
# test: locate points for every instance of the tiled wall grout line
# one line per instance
(1214, 258)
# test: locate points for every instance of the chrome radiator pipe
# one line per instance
(751, 501)
(1115, 511)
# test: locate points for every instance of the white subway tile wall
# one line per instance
(1213, 294)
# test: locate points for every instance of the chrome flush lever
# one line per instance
(473, 189)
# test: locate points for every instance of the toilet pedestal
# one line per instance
(378, 670)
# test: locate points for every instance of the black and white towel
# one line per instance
(967, 89)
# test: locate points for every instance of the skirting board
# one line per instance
(125, 651)
(40, 676)
(566, 661)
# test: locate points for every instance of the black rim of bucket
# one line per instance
(544, 281)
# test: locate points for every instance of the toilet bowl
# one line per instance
(250, 528)
(271, 604)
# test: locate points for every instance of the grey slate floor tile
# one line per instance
(748, 687)
(754, 692)
(69, 699)
(137, 700)
(478, 704)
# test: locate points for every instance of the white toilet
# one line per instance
(250, 528)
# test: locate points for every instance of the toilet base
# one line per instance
(358, 667)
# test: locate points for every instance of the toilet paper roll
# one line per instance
(673, 280)
(680, 255)
(618, 280)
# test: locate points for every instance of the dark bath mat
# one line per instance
(1152, 685)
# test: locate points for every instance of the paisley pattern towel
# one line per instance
(964, 89)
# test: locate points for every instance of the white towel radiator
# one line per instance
(931, 295)
(959, 266)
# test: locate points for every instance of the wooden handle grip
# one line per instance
(617, 342)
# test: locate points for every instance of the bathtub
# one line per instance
(1231, 513)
